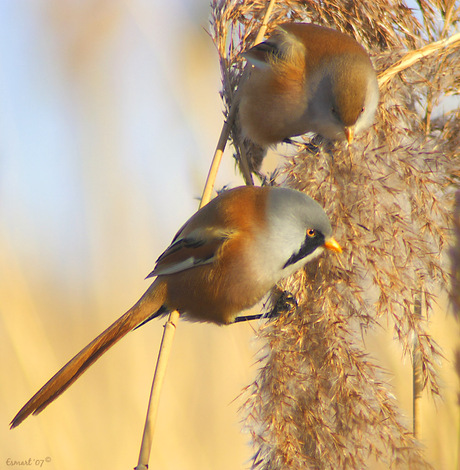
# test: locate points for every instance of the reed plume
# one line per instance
(320, 400)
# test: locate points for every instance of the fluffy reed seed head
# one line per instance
(320, 401)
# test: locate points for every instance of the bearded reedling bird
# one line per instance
(222, 261)
(307, 78)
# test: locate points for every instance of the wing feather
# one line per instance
(195, 249)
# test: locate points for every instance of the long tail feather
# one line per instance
(147, 305)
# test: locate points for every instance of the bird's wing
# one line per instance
(193, 249)
(259, 54)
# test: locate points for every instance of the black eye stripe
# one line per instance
(309, 245)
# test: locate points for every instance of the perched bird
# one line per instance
(307, 78)
(224, 259)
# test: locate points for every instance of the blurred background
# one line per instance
(109, 116)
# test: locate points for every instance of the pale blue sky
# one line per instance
(80, 128)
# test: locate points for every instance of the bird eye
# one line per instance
(362, 110)
(311, 232)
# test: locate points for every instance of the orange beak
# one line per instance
(349, 134)
(331, 244)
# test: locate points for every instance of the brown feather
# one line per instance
(148, 304)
